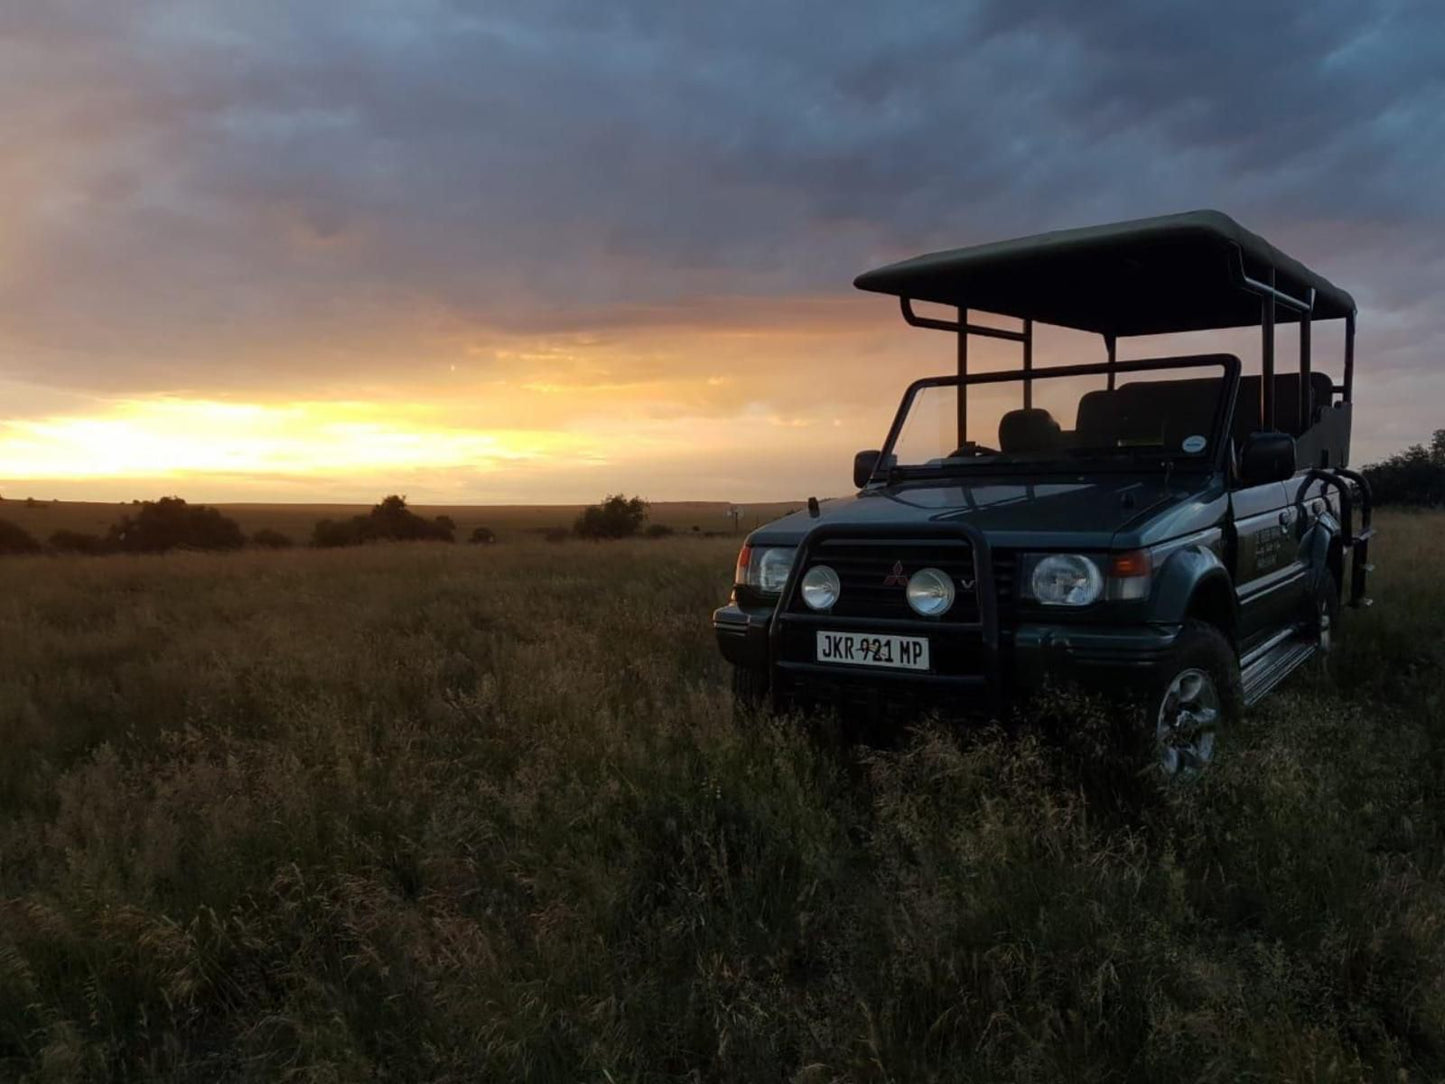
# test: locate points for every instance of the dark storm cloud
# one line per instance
(206, 194)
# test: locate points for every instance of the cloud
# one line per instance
(306, 199)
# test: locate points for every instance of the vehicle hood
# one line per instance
(1120, 511)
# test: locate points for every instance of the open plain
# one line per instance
(483, 813)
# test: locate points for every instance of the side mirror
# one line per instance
(1267, 457)
(864, 464)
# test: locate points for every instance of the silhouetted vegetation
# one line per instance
(389, 521)
(1415, 476)
(616, 517)
(329, 533)
(271, 539)
(15, 539)
(68, 541)
(170, 523)
(483, 536)
(556, 534)
(658, 530)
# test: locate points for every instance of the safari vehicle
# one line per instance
(1168, 525)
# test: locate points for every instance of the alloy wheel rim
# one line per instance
(1185, 729)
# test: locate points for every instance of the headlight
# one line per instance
(764, 568)
(930, 592)
(820, 587)
(1065, 579)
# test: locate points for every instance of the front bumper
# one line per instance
(742, 634)
(1029, 655)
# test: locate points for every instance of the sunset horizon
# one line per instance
(302, 255)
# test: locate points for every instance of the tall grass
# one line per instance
(484, 814)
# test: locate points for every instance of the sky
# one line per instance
(540, 251)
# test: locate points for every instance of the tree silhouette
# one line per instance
(616, 517)
(170, 523)
(15, 539)
(1415, 476)
(389, 521)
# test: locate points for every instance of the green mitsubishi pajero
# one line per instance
(1163, 524)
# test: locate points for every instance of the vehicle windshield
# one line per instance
(1150, 419)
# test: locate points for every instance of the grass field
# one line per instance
(510, 522)
(467, 813)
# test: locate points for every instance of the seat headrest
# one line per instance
(1028, 431)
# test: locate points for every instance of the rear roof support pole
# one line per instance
(1266, 384)
(1306, 389)
(1028, 364)
(1111, 344)
(962, 372)
(1349, 355)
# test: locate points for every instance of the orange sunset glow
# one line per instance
(506, 256)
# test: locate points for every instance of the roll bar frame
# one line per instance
(1270, 298)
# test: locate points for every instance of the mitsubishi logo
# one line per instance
(896, 578)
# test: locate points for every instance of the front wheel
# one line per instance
(1197, 695)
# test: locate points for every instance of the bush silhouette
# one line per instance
(335, 532)
(616, 517)
(67, 541)
(15, 539)
(170, 523)
(1415, 476)
(484, 536)
(271, 539)
(657, 530)
(389, 521)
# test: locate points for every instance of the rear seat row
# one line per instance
(1158, 412)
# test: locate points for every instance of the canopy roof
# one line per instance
(1145, 277)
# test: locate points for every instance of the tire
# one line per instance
(750, 690)
(1196, 695)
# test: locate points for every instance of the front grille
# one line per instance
(1005, 573)
(872, 573)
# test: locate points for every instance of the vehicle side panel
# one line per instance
(1268, 577)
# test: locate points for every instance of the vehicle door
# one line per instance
(1268, 573)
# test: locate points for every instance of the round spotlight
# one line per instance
(930, 592)
(821, 587)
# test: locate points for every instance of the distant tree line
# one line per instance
(151, 527)
(1414, 477)
(172, 524)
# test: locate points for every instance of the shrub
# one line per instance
(657, 530)
(15, 539)
(389, 521)
(271, 539)
(1415, 476)
(335, 532)
(616, 517)
(484, 536)
(171, 523)
(67, 541)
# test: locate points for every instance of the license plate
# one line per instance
(863, 649)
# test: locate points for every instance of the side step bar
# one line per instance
(1268, 668)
